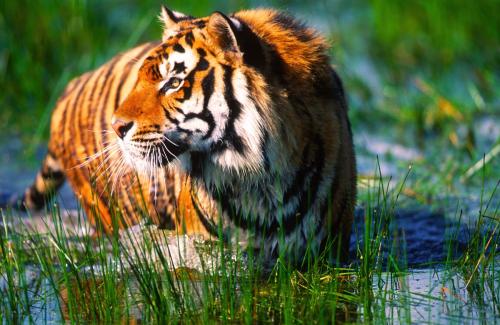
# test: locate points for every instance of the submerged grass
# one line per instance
(134, 276)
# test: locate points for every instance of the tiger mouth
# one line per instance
(168, 152)
(153, 153)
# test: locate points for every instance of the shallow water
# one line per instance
(431, 295)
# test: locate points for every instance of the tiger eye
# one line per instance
(175, 83)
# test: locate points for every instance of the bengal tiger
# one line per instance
(232, 126)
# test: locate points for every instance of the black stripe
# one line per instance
(104, 121)
(179, 110)
(162, 204)
(74, 123)
(201, 52)
(180, 129)
(308, 196)
(63, 149)
(179, 67)
(250, 46)
(197, 159)
(147, 130)
(86, 124)
(92, 93)
(155, 72)
(263, 147)
(51, 154)
(207, 224)
(299, 179)
(168, 116)
(230, 139)
(298, 28)
(200, 66)
(131, 207)
(252, 90)
(49, 174)
(224, 197)
(38, 198)
(100, 108)
(189, 38)
(108, 82)
(166, 221)
(67, 91)
(207, 85)
(200, 24)
(79, 94)
(178, 48)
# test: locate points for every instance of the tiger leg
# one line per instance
(47, 181)
(195, 212)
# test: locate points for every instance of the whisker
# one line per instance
(121, 170)
(175, 157)
(93, 157)
(165, 137)
(105, 160)
(100, 131)
(105, 172)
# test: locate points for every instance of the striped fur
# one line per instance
(231, 123)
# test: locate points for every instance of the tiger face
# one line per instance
(192, 95)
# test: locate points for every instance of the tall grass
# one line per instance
(130, 276)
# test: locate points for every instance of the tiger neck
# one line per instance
(262, 184)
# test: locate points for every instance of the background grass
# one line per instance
(451, 44)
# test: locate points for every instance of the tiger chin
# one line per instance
(230, 125)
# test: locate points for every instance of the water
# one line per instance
(430, 295)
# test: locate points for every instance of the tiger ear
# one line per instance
(223, 29)
(170, 18)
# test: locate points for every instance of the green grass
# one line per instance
(59, 276)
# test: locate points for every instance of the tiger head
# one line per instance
(199, 91)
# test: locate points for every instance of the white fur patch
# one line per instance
(163, 69)
(187, 57)
(249, 127)
(195, 125)
(220, 112)
(236, 22)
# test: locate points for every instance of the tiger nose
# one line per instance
(121, 127)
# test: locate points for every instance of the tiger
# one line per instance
(232, 126)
